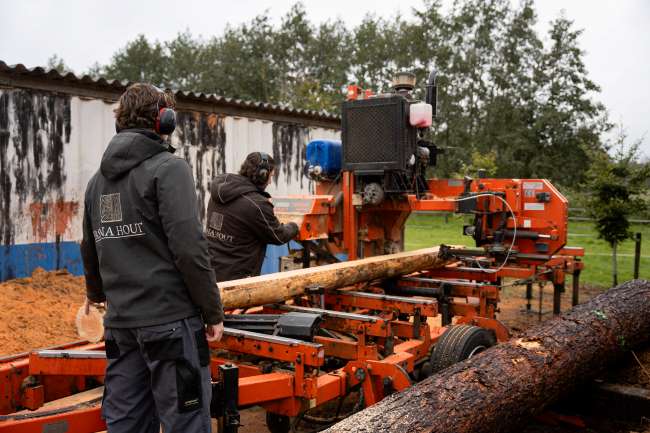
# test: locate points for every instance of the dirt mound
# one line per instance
(39, 311)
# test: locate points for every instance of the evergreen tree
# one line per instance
(185, 67)
(240, 63)
(568, 124)
(502, 93)
(373, 51)
(55, 62)
(140, 60)
(511, 107)
(618, 186)
(473, 34)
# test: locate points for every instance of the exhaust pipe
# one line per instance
(431, 96)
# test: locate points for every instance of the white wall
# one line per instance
(209, 142)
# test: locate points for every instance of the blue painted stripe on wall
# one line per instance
(18, 261)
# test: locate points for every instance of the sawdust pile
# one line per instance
(39, 311)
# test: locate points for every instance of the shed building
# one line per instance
(54, 129)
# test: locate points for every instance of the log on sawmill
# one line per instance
(278, 287)
(499, 389)
(282, 286)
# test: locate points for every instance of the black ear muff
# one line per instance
(263, 168)
(166, 121)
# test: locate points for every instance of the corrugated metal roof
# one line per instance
(118, 86)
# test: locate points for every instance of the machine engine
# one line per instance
(382, 142)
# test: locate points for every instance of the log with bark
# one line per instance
(278, 287)
(499, 389)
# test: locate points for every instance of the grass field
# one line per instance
(425, 230)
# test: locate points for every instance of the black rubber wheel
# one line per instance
(458, 343)
(426, 370)
(278, 423)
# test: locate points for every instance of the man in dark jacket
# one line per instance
(145, 255)
(241, 221)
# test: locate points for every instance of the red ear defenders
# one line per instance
(166, 121)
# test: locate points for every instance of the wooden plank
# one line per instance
(89, 396)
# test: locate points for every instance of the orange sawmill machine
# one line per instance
(322, 356)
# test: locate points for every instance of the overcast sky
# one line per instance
(616, 35)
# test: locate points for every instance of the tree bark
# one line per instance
(278, 287)
(500, 389)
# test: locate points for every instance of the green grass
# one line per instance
(426, 230)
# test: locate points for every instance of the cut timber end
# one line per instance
(278, 287)
(90, 326)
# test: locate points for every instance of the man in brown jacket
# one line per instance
(240, 222)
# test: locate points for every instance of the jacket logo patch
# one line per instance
(119, 231)
(216, 221)
(215, 224)
(216, 234)
(110, 208)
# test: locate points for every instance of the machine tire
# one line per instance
(458, 343)
(278, 423)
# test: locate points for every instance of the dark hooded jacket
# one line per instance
(143, 247)
(239, 225)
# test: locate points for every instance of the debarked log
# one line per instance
(282, 286)
(278, 287)
(500, 389)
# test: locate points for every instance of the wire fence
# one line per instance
(575, 214)
(581, 214)
(636, 239)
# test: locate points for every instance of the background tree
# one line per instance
(55, 62)
(618, 186)
(569, 123)
(529, 106)
(139, 60)
(185, 67)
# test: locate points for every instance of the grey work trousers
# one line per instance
(158, 375)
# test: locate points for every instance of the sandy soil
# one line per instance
(39, 311)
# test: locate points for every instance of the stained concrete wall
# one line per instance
(51, 143)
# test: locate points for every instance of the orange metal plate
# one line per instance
(264, 388)
(310, 355)
(86, 420)
(65, 366)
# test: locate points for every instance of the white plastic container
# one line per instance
(420, 115)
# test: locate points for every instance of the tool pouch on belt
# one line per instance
(188, 378)
(188, 384)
